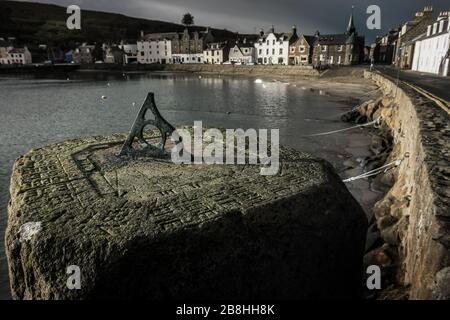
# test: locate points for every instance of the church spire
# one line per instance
(351, 25)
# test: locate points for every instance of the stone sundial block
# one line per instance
(150, 229)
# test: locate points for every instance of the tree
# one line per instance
(188, 19)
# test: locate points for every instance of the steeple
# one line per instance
(351, 25)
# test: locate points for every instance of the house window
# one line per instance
(267, 51)
(324, 48)
(142, 53)
(260, 51)
(273, 51)
(340, 48)
(303, 59)
(302, 49)
(292, 49)
(273, 42)
(268, 42)
(281, 50)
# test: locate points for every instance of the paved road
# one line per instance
(439, 86)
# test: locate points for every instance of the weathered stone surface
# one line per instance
(414, 214)
(147, 228)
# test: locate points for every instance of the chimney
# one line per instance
(294, 29)
(261, 32)
(142, 33)
(272, 29)
(244, 41)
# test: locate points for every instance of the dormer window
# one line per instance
(340, 48)
(434, 28)
(441, 26)
(324, 48)
(429, 31)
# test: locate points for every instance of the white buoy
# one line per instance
(199, 77)
(258, 81)
(134, 103)
(104, 97)
(108, 84)
(68, 79)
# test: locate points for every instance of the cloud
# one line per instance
(247, 16)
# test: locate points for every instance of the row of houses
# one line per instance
(421, 44)
(13, 55)
(267, 48)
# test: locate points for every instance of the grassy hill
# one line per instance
(36, 23)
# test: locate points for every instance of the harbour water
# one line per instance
(39, 110)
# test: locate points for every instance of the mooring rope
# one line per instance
(377, 171)
(377, 121)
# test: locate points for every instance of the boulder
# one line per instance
(150, 229)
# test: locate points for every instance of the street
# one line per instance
(436, 85)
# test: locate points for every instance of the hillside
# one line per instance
(36, 23)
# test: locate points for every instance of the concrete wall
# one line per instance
(418, 203)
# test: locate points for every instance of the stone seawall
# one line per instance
(256, 70)
(414, 216)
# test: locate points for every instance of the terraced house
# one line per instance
(216, 53)
(155, 47)
(339, 49)
(188, 47)
(301, 51)
(273, 48)
(410, 32)
(243, 52)
(432, 51)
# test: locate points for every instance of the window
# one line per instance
(324, 48)
(273, 51)
(340, 48)
(268, 42)
(301, 49)
(273, 42)
(267, 51)
(142, 53)
(260, 51)
(292, 49)
(281, 50)
(303, 59)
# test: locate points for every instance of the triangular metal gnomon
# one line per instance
(137, 131)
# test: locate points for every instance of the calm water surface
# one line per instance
(38, 111)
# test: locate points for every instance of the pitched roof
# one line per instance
(161, 36)
(332, 39)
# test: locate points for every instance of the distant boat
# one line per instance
(258, 81)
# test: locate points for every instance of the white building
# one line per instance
(155, 48)
(273, 48)
(432, 52)
(243, 52)
(19, 56)
(5, 47)
(216, 53)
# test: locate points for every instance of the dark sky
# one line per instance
(246, 16)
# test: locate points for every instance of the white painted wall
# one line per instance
(429, 53)
(155, 51)
(272, 50)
